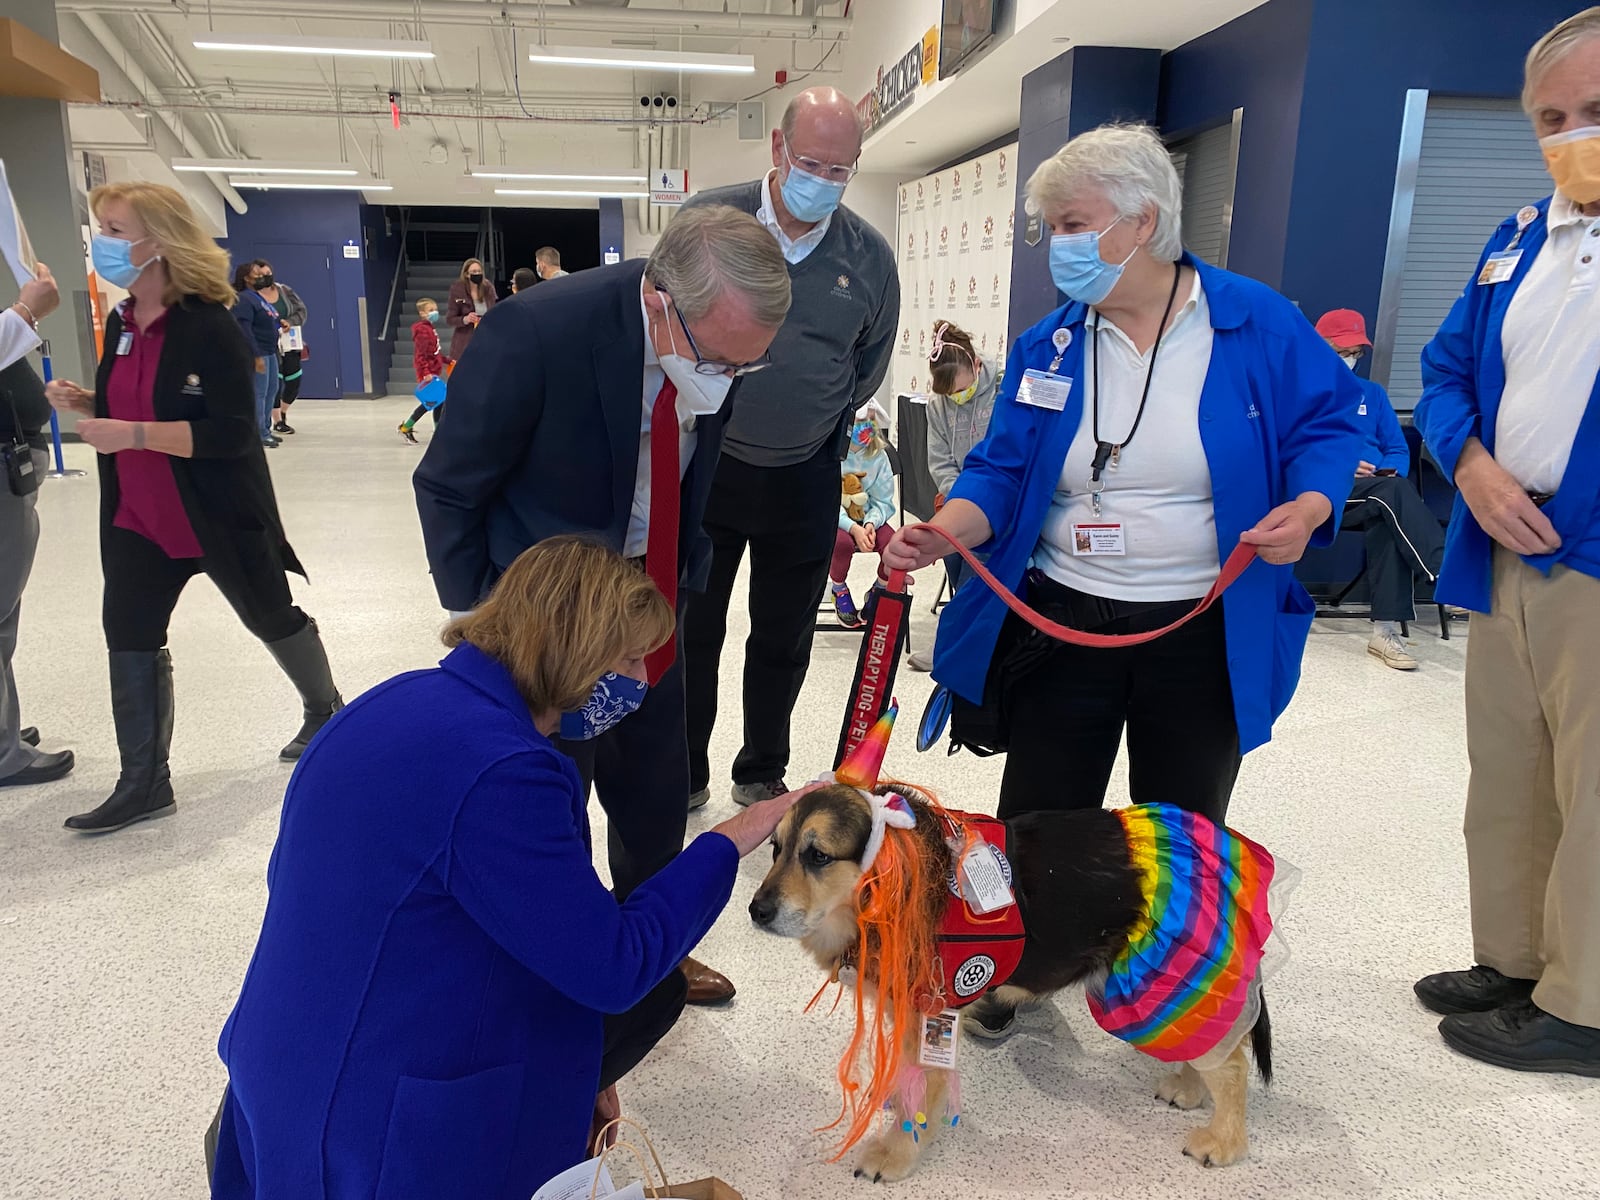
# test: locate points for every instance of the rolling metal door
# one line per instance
(1478, 164)
(1206, 163)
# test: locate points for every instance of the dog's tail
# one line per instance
(1261, 1042)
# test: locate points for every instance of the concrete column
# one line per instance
(37, 149)
(1083, 88)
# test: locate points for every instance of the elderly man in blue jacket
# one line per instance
(1511, 410)
(1404, 540)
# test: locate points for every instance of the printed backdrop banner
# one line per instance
(954, 250)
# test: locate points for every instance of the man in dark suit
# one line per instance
(561, 422)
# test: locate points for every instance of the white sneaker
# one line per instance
(921, 661)
(1391, 651)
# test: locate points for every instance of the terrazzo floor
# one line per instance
(120, 957)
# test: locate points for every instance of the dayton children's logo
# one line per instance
(994, 300)
(952, 289)
(944, 240)
(841, 288)
(977, 178)
(964, 237)
(972, 291)
(1011, 226)
(955, 186)
(930, 293)
(988, 234)
(1002, 168)
(905, 341)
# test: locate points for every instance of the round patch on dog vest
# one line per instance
(973, 976)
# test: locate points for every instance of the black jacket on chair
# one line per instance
(542, 436)
(205, 378)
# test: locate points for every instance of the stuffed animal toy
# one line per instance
(852, 496)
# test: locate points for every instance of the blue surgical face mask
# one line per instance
(614, 697)
(1078, 269)
(113, 259)
(433, 317)
(809, 197)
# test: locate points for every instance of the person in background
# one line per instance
(1404, 541)
(547, 260)
(1202, 411)
(444, 994)
(426, 360)
(471, 297)
(541, 442)
(184, 486)
(522, 279)
(777, 488)
(868, 463)
(259, 322)
(291, 312)
(1510, 409)
(24, 412)
(963, 383)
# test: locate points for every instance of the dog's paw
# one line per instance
(888, 1158)
(1182, 1089)
(1210, 1149)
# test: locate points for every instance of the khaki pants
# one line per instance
(1533, 803)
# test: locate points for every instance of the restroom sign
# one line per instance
(669, 187)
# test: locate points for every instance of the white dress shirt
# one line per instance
(1160, 490)
(794, 249)
(690, 408)
(1551, 342)
(17, 337)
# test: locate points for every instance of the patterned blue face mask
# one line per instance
(614, 697)
(861, 434)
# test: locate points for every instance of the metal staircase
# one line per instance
(422, 279)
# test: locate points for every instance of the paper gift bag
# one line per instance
(700, 1189)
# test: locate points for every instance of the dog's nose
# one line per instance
(763, 910)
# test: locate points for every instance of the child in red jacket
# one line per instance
(426, 358)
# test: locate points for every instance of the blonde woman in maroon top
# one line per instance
(184, 488)
(471, 297)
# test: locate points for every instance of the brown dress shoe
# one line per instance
(705, 985)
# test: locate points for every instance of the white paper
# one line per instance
(983, 880)
(291, 339)
(13, 237)
(940, 1040)
(578, 1183)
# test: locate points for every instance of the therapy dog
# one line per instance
(1161, 913)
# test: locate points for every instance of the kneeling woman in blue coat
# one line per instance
(444, 992)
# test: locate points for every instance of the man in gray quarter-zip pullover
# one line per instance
(777, 485)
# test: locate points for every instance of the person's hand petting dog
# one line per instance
(751, 827)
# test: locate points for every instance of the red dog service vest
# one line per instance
(978, 951)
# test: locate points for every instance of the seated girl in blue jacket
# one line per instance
(865, 507)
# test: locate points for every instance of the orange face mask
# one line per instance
(1574, 162)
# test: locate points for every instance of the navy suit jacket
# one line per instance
(541, 436)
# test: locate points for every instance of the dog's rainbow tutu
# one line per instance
(1188, 986)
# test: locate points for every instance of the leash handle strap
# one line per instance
(1241, 558)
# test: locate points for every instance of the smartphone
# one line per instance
(1386, 471)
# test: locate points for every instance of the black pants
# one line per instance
(1068, 705)
(788, 517)
(288, 378)
(142, 586)
(422, 408)
(640, 775)
(1405, 542)
(633, 1034)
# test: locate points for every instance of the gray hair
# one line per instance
(1556, 45)
(1131, 165)
(709, 250)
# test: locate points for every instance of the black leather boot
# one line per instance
(305, 662)
(141, 706)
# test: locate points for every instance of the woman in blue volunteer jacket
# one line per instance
(1222, 417)
(1511, 411)
(425, 1013)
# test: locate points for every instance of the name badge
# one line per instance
(1499, 267)
(125, 343)
(1362, 411)
(937, 1047)
(1042, 389)
(1090, 541)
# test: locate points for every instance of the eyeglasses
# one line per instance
(710, 366)
(832, 172)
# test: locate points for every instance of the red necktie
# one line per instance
(661, 545)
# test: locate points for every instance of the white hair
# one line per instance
(708, 250)
(1130, 164)
(1556, 45)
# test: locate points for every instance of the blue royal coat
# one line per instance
(1463, 378)
(422, 1015)
(1277, 419)
(1384, 442)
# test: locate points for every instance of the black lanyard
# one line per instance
(1104, 450)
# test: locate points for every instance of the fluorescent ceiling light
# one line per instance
(481, 174)
(295, 185)
(275, 43)
(642, 60)
(590, 195)
(249, 166)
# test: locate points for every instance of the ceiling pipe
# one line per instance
(226, 143)
(527, 17)
(172, 135)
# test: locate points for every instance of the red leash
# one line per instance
(1243, 555)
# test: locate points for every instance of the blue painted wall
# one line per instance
(381, 248)
(1085, 87)
(328, 220)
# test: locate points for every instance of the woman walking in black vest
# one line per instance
(184, 488)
